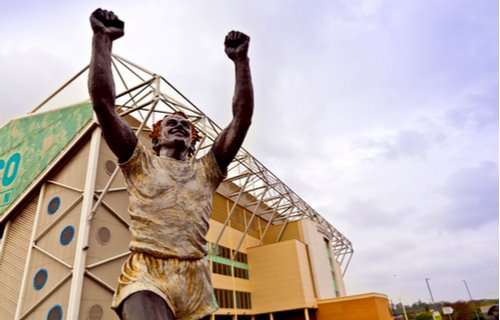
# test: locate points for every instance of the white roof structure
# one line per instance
(148, 97)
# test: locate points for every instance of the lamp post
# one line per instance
(430, 292)
(435, 314)
(400, 301)
(404, 309)
(470, 297)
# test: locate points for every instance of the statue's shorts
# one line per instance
(185, 285)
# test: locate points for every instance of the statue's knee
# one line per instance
(145, 305)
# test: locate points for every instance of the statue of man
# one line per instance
(170, 192)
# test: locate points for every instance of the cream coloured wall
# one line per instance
(320, 264)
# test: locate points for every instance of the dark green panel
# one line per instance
(29, 144)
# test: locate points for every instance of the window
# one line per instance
(67, 235)
(224, 298)
(221, 268)
(332, 267)
(55, 313)
(221, 251)
(243, 300)
(109, 167)
(222, 264)
(40, 279)
(241, 273)
(95, 312)
(224, 252)
(103, 235)
(241, 257)
(53, 205)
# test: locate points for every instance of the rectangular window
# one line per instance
(224, 298)
(241, 273)
(225, 252)
(221, 268)
(221, 251)
(241, 257)
(332, 267)
(222, 264)
(243, 300)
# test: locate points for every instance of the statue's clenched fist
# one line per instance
(236, 45)
(103, 21)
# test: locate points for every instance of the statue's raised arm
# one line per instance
(231, 138)
(117, 133)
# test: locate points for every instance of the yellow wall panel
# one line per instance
(292, 231)
(279, 281)
(219, 208)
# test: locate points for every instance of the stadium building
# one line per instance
(64, 221)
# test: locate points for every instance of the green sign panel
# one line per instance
(29, 144)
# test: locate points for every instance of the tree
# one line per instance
(462, 310)
(424, 316)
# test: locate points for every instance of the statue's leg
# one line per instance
(145, 305)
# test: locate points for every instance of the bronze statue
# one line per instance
(170, 192)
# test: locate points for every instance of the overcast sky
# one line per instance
(382, 115)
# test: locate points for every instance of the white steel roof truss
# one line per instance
(246, 172)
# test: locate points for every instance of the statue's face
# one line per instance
(176, 132)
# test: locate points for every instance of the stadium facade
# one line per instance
(64, 221)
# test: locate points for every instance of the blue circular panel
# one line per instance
(67, 235)
(53, 205)
(40, 279)
(55, 313)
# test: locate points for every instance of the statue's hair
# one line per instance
(156, 133)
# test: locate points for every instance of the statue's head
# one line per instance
(175, 131)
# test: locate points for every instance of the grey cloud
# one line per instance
(402, 144)
(26, 81)
(408, 143)
(472, 195)
(475, 112)
(370, 214)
